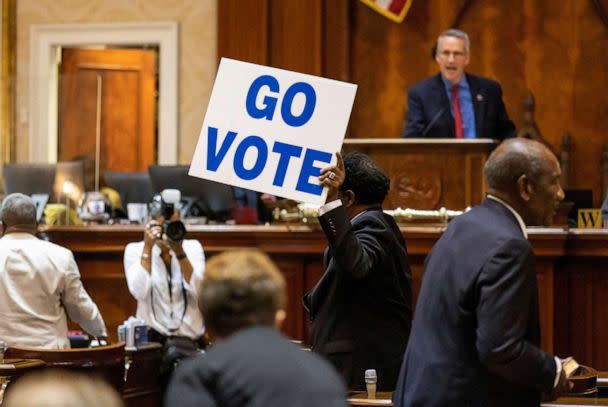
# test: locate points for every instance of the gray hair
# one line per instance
(453, 32)
(18, 209)
(513, 158)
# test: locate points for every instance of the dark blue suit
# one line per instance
(362, 306)
(475, 334)
(429, 113)
(256, 367)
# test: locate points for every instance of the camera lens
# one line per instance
(175, 230)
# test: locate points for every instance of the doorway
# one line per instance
(47, 39)
(107, 107)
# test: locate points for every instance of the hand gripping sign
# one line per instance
(271, 130)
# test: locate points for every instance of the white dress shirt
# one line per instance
(161, 311)
(39, 282)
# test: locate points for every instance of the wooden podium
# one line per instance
(429, 173)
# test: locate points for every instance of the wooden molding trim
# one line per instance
(7, 81)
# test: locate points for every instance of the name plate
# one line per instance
(589, 218)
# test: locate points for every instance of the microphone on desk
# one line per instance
(371, 380)
(433, 121)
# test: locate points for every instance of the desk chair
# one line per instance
(108, 362)
(44, 178)
(133, 187)
(29, 179)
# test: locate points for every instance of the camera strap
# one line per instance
(170, 288)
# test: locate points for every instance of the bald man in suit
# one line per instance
(475, 336)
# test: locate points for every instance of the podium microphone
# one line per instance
(371, 379)
(432, 122)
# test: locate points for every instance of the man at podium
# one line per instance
(455, 104)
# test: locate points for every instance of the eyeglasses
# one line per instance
(456, 54)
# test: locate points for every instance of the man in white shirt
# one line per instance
(162, 275)
(39, 282)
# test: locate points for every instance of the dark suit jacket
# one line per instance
(475, 334)
(361, 306)
(256, 367)
(429, 113)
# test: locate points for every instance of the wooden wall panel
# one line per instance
(555, 49)
(336, 39)
(243, 30)
(544, 281)
(294, 279)
(295, 35)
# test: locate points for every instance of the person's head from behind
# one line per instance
(365, 183)
(59, 388)
(241, 288)
(526, 174)
(18, 214)
(452, 54)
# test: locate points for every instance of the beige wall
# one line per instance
(197, 21)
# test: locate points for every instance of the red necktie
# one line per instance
(457, 114)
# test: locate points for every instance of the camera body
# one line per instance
(175, 230)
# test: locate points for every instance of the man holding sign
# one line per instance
(361, 307)
(275, 132)
(271, 130)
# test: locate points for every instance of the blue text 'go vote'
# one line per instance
(285, 151)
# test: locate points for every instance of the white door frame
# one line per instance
(47, 39)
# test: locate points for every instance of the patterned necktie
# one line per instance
(457, 115)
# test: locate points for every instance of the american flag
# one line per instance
(396, 10)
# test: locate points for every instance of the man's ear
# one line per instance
(524, 188)
(348, 198)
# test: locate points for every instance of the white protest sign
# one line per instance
(272, 130)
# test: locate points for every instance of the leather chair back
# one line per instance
(107, 362)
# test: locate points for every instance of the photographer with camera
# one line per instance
(162, 273)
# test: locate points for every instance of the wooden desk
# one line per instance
(383, 399)
(142, 385)
(571, 267)
(106, 361)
